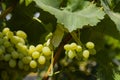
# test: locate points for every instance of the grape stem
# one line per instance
(57, 55)
(8, 10)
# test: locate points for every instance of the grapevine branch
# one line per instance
(8, 10)
(57, 55)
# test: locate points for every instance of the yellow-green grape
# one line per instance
(21, 34)
(39, 47)
(5, 30)
(12, 63)
(10, 49)
(90, 45)
(79, 48)
(27, 59)
(6, 43)
(41, 60)
(71, 54)
(86, 54)
(14, 54)
(92, 51)
(2, 50)
(22, 48)
(73, 46)
(35, 55)
(1, 41)
(7, 57)
(20, 64)
(9, 34)
(33, 64)
(26, 67)
(21, 55)
(16, 39)
(46, 51)
(31, 49)
(67, 47)
(1, 35)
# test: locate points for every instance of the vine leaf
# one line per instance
(76, 14)
(58, 35)
(115, 17)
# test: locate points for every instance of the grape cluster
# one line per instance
(73, 49)
(15, 51)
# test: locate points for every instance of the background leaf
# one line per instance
(88, 15)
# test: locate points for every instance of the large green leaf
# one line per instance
(113, 15)
(77, 14)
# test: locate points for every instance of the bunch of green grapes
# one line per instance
(15, 51)
(73, 49)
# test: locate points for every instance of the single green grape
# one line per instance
(92, 51)
(9, 34)
(46, 51)
(41, 60)
(79, 48)
(20, 64)
(16, 39)
(35, 55)
(67, 47)
(26, 67)
(22, 48)
(90, 45)
(33, 64)
(26, 59)
(31, 49)
(7, 44)
(12, 63)
(71, 54)
(86, 53)
(14, 54)
(39, 47)
(7, 57)
(5, 30)
(73, 46)
(21, 34)
(10, 49)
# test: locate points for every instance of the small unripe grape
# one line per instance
(86, 53)
(26, 67)
(27, 59)
(33, 64)
(1, 34)
(7, 57)
(9, 34)
(31, 49)
(10, 49)
(20, 64)
(12, 63)
(35, 54)
(21, 55)
(39, 47)
(16, 39)
(67, 47)
(41, 60)
(1, 41)
(79, 48)
(71, 54)
(92, 51)
(73, 46)
(46, 51)
(90, 45)
(21, 34)
(6, 43)
(22, 48)
(5, 30)
(14, 54)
